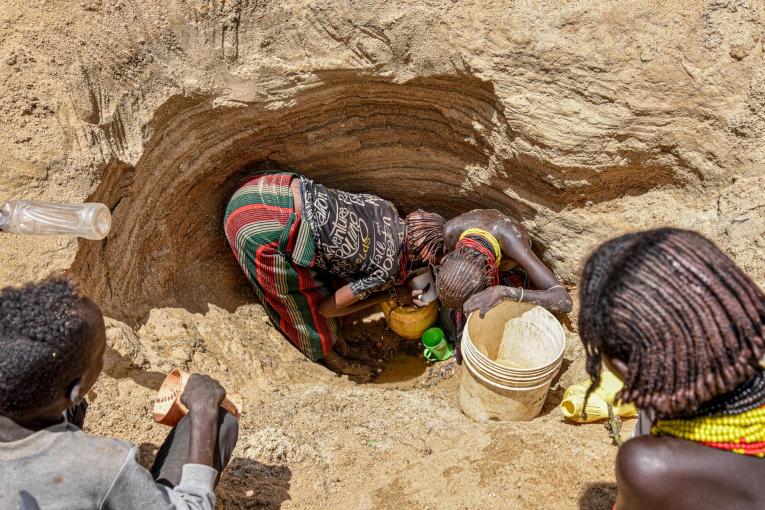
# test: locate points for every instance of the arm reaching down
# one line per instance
(203, 396)
(555, 299)
(135, 487)
(515, 244)
(344, 302)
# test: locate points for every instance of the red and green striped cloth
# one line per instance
(276, 251)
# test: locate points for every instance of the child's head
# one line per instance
(683, 322)
(52, 341)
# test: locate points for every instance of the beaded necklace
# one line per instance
(734, 421)
(485, 237)
(744, 397)
(742, 433)
(488, 246)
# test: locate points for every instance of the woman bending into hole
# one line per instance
(490, 260)
(684, 328)
(289, 233)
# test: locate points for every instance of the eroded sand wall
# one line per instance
(584, 121)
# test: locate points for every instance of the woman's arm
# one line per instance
(515, 244)
(343, 302)
(555, 300)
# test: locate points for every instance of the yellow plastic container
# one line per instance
(409, 322)
(597, 405)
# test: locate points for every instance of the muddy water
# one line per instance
(403, 371)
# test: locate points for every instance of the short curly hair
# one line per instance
(45, 343)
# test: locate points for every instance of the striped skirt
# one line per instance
(275, 250)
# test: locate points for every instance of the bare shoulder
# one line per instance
(466, 216)
(455, 226)
(647, 475)
(663, 472)
(482, 218)
(643, 461)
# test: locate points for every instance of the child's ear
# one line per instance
(75, 395)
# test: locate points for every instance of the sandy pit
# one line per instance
(311, 439)
(583, 120)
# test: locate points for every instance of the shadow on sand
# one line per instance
(247, 484)
(598, 496)
(244, 484)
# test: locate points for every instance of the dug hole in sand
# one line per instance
(582, 121)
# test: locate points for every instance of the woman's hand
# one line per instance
(489, 298)
(417, 296)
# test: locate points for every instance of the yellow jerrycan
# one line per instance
(597, 405)
(409, 322)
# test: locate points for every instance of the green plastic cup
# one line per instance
(436, 346)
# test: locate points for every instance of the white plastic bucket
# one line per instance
(495, 391)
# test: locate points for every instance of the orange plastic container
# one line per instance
(168, 408)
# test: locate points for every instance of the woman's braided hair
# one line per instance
(463, 272)
(425, 234)
(689, 324)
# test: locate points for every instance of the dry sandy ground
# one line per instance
(311, 439)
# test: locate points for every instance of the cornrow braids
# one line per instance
(425, 235)
(462, 273)
(688, 323)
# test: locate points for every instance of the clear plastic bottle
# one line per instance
(90, 220)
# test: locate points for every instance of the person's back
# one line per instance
(664, 472)
(357, 236)
(34, 464)
(684, 328)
